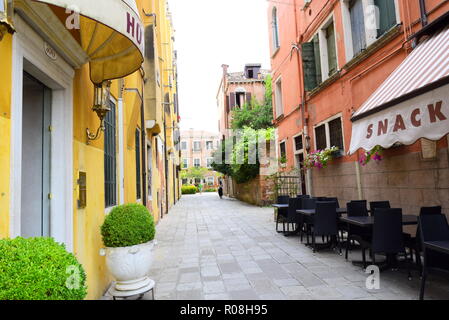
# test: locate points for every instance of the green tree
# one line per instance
(253, 114)
(194, 173)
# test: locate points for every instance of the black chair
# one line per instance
(281, 212)
(356, 233)
(307, 203)
(379, 204)
(293, 217)
(414, 243)
(433, 227)
(333, 199)
(303, 196)
(387, 236)
(325, 223)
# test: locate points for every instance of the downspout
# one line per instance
(423, 11)
(305, 129)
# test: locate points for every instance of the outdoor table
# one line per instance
(311, 212)
(368, 221)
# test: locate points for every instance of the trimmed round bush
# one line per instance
(39, 269)
(189, 190)
(128, 225)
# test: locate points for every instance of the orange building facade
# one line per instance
(328, 58)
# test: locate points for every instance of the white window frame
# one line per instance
(117, 167)
(328, 136)
(211, 144)
(275, 31)
(199, 162)
(294, 143)
(207, 160)
(187, 145)
(185, 163)
(279, 101)
(370, 35)
(194, 144)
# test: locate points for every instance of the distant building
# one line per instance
(197, 148)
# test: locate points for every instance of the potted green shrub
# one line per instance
(39, 269)
(128, 234)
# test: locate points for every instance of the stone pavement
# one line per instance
(225, 249)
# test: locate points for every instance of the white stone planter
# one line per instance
(130, 266)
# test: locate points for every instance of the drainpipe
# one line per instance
(422, 9)
(306, 138)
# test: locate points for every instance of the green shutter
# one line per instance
(387, 15)
(308, 60)
(316, 49)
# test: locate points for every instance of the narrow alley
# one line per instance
(225, 249)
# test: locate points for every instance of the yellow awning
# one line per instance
(111, 35)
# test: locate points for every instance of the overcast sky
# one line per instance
(210, 33)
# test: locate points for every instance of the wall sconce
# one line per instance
(6, 10)
(101, 107)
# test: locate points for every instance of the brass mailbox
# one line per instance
(82, 187)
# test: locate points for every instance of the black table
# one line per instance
(311, 212)
(441, 246)
(280, 205)
(368, 221)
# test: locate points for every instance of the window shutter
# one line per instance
(358, 26)
(387, 15)
(308, 60)
(232, 101)
(316, 49)
(227, 104)
(248, 98)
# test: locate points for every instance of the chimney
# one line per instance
(225, 69)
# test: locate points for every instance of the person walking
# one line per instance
(200, 187)
(220, 189)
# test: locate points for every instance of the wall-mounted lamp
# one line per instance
(6, 10)
(101, 107)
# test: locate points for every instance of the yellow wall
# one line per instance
(5, 132)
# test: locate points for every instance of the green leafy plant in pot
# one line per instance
(128, 234)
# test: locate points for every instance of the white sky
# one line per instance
(210, 33)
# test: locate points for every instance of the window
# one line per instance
(283, 151)
(209, 162)
(331, 49)
(197, 146)
(110, 163)
(278, 99)
(275, 26)
(320, 135)
(138, 175)
(185, 163)
(329, 134)
(184, 181)
(210, 181)
(197, 163)
(320, 56)
(184, 145)
(209, 145)
(366, 21)
(298, 143)
(149, 170)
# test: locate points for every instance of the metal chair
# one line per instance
(379, 204)
(281, 212)
(355, 233)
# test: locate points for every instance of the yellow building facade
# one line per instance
(46, 100)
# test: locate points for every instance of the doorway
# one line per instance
(36, 158)
(300, 164)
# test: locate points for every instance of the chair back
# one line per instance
(283, 199)
(434, 227)
(378, 204)
(293, 205)
(325, 219)
(303, 196)
(387, 231)
(357, 209)
(430, 210)
(308, 203)
(334, 199)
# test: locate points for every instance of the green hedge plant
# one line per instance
(128, 225)
(39, 269)
(189, 189)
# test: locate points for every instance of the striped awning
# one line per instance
(391, 114)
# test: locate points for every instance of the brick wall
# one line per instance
(258, 191)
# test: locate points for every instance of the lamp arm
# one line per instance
(91, 136)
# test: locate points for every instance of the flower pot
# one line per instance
(130, 265)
